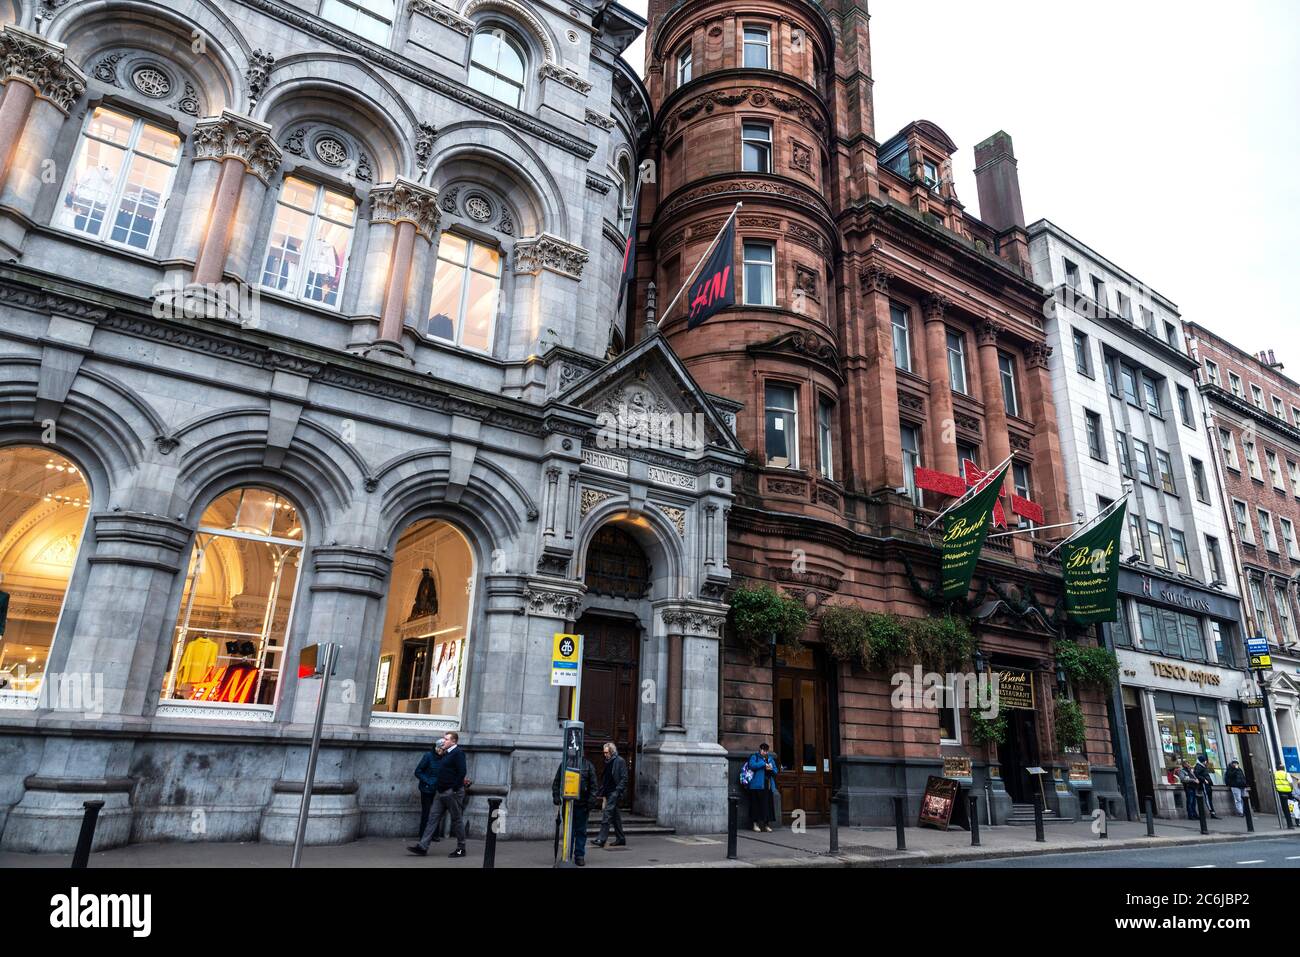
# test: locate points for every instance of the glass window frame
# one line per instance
(469, 271)
(790, 423)
(957, 353)
(769, 265)
(316, 218)
(765, 44)
(756, 138)
(905, 329)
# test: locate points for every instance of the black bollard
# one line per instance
(81, 856)
(974, 815)
(1151, 817)
(898, 823)
(1039, 836)
(733, 812)
(1250, 818)
(490, 839)
(835, 824)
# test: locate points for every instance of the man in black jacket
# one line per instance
(1206, 781)
(449, 796)
(588, 788)
(1235, 780)
(612, 790)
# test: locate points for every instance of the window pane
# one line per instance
(299, 194)
(146, 182)
(480, 312)
(339, 207)
(325, 266)
(453, 248)
(444, 310)
(285, 249)
(486, 259)
(86, 203)
(107, 125)
(159, 144)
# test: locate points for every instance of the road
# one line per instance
(1269, 852)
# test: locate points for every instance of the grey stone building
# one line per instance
(307, 334)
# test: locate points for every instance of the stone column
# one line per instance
(114, 658)
(995, 411)
(943, 445)
(412, 211)
(243, 147)
(33, 68)
(1049, 470)
(874, 452)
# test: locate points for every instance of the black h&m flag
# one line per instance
(715, 289)
(629, 251)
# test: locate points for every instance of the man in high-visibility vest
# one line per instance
(1282, 781)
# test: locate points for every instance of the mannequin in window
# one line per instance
(426, 597)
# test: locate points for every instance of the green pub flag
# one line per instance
(964, 531)
(1091, 567)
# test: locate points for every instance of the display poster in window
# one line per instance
(1212, 749)
(1189, 737)
(1166, 739)
(1015, 689)
(938, 803)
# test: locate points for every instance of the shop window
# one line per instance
(1187, 728)
(44, 504)
(496, 67)
(427, 623)
(308, 248)
(120, 180)
(466, 293)
(237, 607)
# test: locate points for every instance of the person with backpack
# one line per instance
(758, 777)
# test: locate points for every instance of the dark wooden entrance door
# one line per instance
(802, 739)
(1018, 752)
(608, 709)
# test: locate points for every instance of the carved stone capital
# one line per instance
(987, 333)
(42, 65)
(403, 201)
(934, 307)
(876, 279)
(1038, 355)
(232, 136)
(550, 252)
(552, 71)
(683, 622)
(556, 604)
(440, 14)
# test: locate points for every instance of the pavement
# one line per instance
(858, 847)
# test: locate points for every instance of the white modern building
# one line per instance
(1132, 418)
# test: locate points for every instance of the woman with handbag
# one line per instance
(758, 777)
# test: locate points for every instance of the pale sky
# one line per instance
(1165, 134)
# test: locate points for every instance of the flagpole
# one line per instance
(1036, 528)
(1109, 509)
(971, 492)
(703, 259)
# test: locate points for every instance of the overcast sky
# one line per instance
(1163, 133)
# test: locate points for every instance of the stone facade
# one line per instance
(1255, 419)
(771, 106)
(181, 356)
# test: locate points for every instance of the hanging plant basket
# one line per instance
(760, 613)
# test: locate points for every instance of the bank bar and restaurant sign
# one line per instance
(1015, 689)
(1090, 566)
(964, 531)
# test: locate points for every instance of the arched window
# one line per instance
(44, 501)
(616, 565)
(427, 622)
(237, 607)
(496, 66)
(372, 19)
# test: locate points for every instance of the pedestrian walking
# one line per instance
(1235, 780)
(588, 788)
(1206, 780)
(758, 776)
(426, 773)
(449, 796)
(1282, 781)
(1187, 778)
(612, 788)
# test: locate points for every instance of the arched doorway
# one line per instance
(618, 572)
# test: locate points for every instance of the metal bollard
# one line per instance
(81, 856)
(1039, 836)
(1205, 813)
(490, 839)
(1151, 817)
(898, 824)
(1250, 817)
(835, 824)
(974, 815)
(1104, 805)
(733, 812)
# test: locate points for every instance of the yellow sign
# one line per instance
(566, 657)
(1261, 662)
(572, 784)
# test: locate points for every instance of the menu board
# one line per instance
(938, 803)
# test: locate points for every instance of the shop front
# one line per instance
(1180, 684)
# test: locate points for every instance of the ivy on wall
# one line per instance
(760, 613)
(881, 642)
(1090, 667)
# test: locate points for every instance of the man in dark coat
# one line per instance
(588, 788)
(449, 796)
(612, 789)
(426, 772)
(1235, 780)
(1206, 781)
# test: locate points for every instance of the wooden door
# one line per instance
(608, 709)
(803, 744)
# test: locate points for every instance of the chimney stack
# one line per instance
(999, 183)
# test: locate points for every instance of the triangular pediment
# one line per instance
(649, 379)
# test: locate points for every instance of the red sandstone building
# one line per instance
(1255, 418)
(879, 328)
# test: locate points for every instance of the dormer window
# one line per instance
(931, 175)
(496, 67)
(758, 48)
